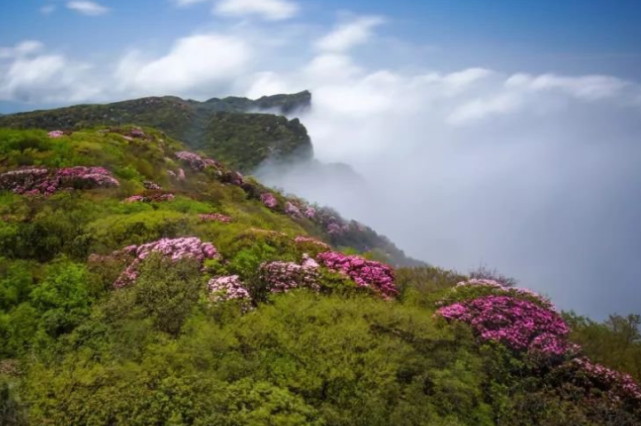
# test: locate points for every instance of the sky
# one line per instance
(485, 133)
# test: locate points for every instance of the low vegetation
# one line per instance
(144, 283)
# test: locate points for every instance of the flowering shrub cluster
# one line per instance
(331, 221)
(269, 200)
(215, 217)
(235, 178)
(54, 134)
(171, 249)
(310, 212)
(180, 175)
(473, 288)
(365, 273)
(292, 210)
(519, 324)
(311, 241)
(618, 384)
(195, 161)
(154, 198)
(35, 181)
(151, 185)
(227, 288)
(137, 132)
(281, 277)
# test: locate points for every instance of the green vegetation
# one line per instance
(75, 350)
(222, 128)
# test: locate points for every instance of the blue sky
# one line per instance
(500, 133)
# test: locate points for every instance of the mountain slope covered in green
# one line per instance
(143, 283)
(230, 129)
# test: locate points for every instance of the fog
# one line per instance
(537, 177)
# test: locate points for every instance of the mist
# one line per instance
(537, 177)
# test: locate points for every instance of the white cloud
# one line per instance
(28, 75)
(86, 7)
(590, 87)
(189, 2)
(48, 9)
(271, 10)
(197, 63)
(21, 49)
(350, 34)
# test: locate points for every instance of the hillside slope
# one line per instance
(144, 284)
(228, 129)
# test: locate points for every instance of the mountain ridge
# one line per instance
(215, 126)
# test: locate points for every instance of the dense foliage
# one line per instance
(223, 128)
(154, 285)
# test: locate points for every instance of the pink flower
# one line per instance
(292, 210)
(215, 217)
(365, 273)
(54, 134)
(519, 324)
(227, 288)
(35, 181)
(269, 200)
(172, 249)
(280, 277)
(134, 199)
(308, 240)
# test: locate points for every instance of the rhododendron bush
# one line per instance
(365, 273)
(269, 200)
(519, 324)
(227, 288)
(615, 383)
(281, 277)
(35, 181)
(171, 249)
(473, 288)
(152, 198)
(311, 243)
(214, 217)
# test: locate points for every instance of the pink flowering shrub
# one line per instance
(171, 249)
(269, 200)
(520, 324)
(54, 134)
(474, 288)
(134, 199)
(137, 132)
(151, 186)
(228, 288)
(35, 181)
(153, 198)
(215, 217)
(365, 273)
(233, 177)
(193, 160)
(310, 212)
(307, 241)
(292, 210)
(618, 385)
(281, 277)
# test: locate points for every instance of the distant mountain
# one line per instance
(231, 130)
